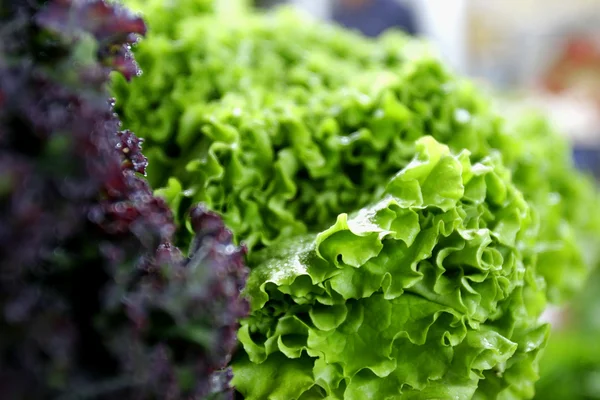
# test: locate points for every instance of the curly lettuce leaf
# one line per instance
(415, 296)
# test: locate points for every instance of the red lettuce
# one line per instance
(95, 300)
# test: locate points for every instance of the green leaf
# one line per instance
(263, 381)
(399, 301)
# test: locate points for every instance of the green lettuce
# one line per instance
(565, 201)
(423, 294)
(280, 136)
(367, 282)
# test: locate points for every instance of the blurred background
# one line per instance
(539, 53)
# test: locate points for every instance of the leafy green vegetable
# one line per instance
(281, 135)
(564, 200)
(366, 281)
(424, 293)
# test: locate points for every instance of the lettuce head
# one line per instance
(423, 294)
